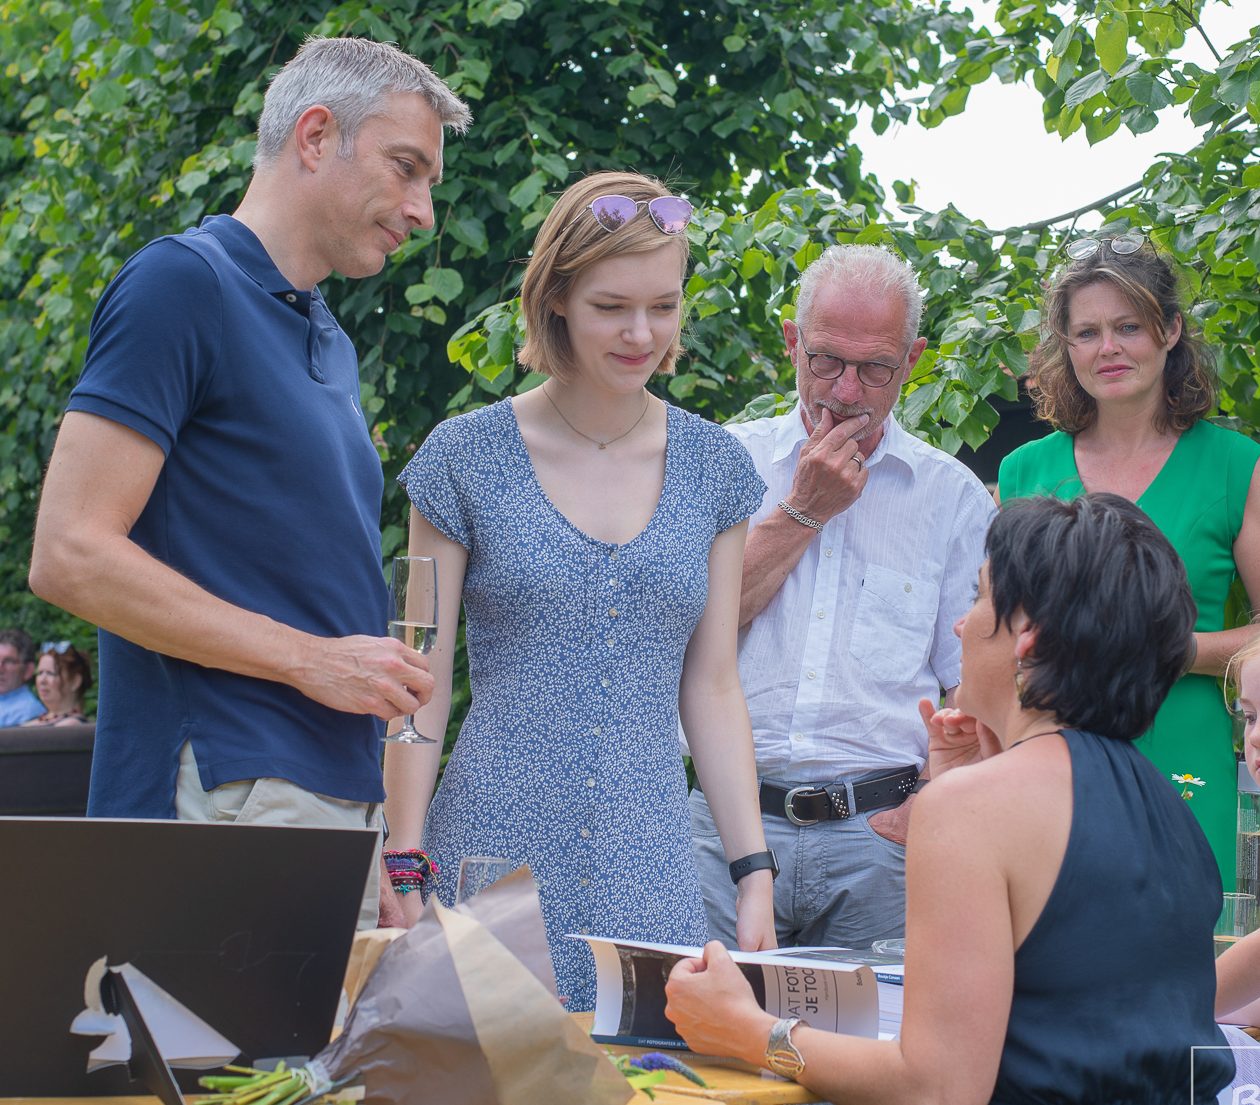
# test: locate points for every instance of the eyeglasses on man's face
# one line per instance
(874, 374)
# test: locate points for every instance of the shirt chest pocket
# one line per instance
(892, 631)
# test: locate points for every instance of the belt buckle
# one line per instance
(791, 797)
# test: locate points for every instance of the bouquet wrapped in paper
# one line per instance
(461, 1009)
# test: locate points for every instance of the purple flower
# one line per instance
(656, 1060)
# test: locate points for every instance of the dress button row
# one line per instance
(612, 611)
(584, 833)
(605, 682)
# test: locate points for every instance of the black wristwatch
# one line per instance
(756, 861)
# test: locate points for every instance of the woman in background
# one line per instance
(1127, 384)
(62, 677)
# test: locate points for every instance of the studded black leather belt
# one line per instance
(810, 804)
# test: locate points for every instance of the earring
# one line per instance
(1019, 676)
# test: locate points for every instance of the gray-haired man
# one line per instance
(213, 501)
(863, 555)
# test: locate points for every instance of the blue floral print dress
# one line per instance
(569, 759)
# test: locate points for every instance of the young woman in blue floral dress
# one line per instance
(594, 535)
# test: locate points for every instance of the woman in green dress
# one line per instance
(1126, 385)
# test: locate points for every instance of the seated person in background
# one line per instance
(17, 665)
(62, 677)
(1061, 896)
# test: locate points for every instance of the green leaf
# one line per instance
(732, 44)
(1062, 40)
(107, 96)
(191, 182)
(753, 262)
(1089, 85)
(1148, 91)
(1111, 41)
(527, 191)
(1102, 125)
(447, 284)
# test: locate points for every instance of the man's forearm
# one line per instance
(775, 546)
(110, 581)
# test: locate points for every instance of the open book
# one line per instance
(831, 988)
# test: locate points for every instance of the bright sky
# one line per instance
(996, 162)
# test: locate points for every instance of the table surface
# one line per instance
(736, 1084)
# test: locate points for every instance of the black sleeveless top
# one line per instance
(1117, 979)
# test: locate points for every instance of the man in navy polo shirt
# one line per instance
(213, 500)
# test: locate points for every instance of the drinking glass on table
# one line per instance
(1237, 919)
(478, 872)
(413, 620)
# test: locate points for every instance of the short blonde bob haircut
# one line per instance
(569, 242)
(1150, 283)
(1249, 651)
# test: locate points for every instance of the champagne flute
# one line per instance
(476, 873)
(413, 620)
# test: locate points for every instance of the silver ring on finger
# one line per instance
(860, 463)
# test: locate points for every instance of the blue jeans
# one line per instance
(840, 883)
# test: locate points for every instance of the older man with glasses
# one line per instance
(864, 553)
(17, 665)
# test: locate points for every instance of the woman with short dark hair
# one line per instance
(1060, 895)
(1127, 382)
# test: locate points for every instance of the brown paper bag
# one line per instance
(462, 1010)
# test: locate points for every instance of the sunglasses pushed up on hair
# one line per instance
(671, 214)
(1122, 245)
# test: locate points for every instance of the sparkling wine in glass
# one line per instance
(413, 620)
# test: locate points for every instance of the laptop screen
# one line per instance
(249, 926)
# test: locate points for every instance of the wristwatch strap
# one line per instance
(782, 1056)
(755, 861)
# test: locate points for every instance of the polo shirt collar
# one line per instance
(790, 434)
(249, 255)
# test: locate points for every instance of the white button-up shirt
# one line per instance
(833, 668)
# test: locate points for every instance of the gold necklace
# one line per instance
(595, 440)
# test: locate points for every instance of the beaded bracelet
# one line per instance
(408, 869)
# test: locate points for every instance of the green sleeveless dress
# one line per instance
(1197, 501)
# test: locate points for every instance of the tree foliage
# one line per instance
(124, 119)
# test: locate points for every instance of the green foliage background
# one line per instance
(121, 120)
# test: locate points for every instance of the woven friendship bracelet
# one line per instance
(797, 516)
(409, 869)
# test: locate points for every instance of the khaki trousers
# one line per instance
(277, 802)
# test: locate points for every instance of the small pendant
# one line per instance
(602, 444)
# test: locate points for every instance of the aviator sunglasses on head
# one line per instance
(1121, 245)
(671, 214)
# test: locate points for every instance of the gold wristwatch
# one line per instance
(782, 1055)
